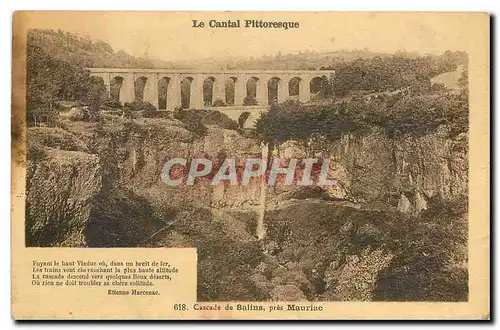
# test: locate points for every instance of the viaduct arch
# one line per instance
(241, 90)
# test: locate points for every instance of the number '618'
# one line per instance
(180, 307)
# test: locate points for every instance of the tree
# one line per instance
(42, 88)
(50, 80)
(95, 96)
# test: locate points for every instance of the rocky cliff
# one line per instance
(405, 172)
(98, 184)
(61, 189)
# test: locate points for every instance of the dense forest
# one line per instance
(396, 93)
(393, 72)
(83, 51)
(397, 114)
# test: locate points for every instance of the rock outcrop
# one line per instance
(403, 172)
(61, 188)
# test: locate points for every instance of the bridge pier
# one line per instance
(262, 92)
(107, 81)
(240, 90)
(219, 89)
(127, 90)
(196, 95)
(304, 92)
(283, 93)
(151, 90)
(174, 92)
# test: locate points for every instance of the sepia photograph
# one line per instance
(307, 158)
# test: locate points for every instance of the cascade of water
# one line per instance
(261, 231)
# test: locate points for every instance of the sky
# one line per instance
(170, 36)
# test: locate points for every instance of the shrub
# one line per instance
(249, 100)
(36, 152)
(219, 103)
(293, 120)
(40, 113)
(120, 218)
(50, 80)
(127, 113)
(112, 104)
(56, 138)
(431, 248)
(397, 114)
(191, 119)
(225, 264)
(156, 114)
(196, 120)
(214, 117)
(139, 106)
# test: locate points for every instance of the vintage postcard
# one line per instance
(250, 165)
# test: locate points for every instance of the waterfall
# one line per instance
(261, 231)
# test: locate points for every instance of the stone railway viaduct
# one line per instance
(163, 87)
